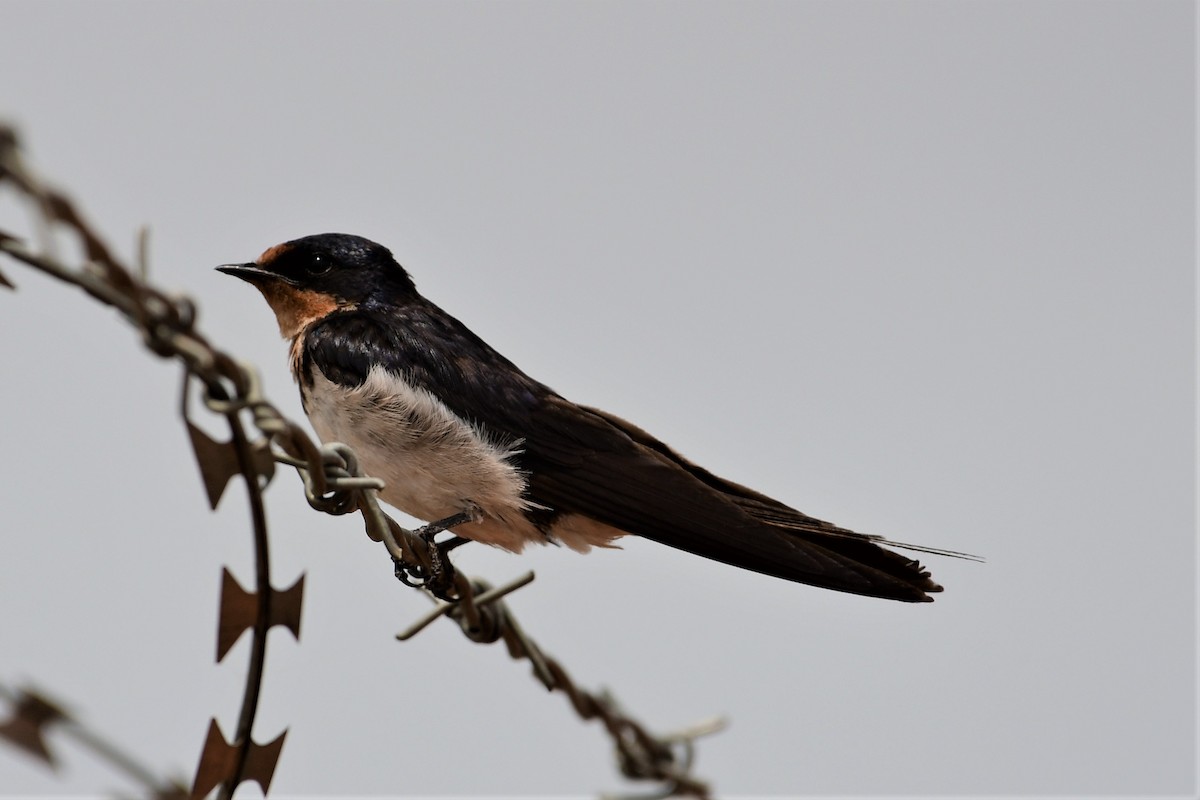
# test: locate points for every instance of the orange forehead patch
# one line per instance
(272, 253)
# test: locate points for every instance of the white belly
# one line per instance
(434, 463)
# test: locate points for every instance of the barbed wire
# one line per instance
(34, 718)
(333, 483)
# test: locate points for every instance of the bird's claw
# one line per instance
(439, 577)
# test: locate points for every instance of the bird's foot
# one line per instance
(439, 577)
(472, 514)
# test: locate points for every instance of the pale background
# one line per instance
(923, 269)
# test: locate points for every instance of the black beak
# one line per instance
(251, 273)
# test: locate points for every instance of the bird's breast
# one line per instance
(434, 463)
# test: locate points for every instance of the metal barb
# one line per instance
(33, 711)
(490, 596)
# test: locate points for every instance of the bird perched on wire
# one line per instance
(461, 436)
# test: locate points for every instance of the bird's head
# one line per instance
(305, 279)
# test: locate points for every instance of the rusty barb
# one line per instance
(33, 719)
(333, 483)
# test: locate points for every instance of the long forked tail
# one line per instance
(916, 548)
(770, 537)
(860, 563)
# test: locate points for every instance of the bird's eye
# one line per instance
(317, 265)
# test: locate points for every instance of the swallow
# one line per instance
(456, 431)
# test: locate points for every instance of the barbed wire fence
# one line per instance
(261, 437)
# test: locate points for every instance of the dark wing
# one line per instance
(592, 463)
(583, 461)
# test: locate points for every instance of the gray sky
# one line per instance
(922, 269)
